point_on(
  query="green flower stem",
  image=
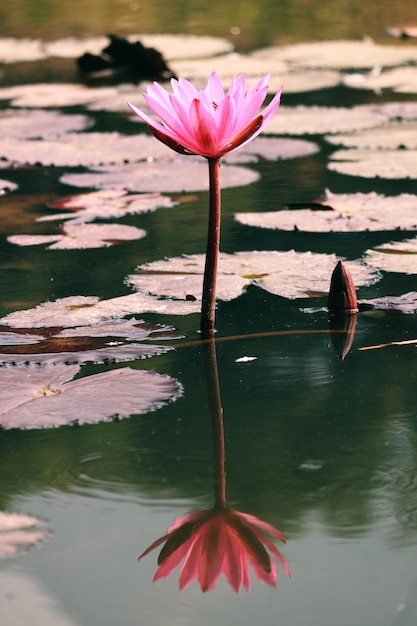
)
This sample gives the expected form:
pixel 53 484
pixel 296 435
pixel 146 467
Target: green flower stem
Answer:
pixel 216 417
pixel 208 305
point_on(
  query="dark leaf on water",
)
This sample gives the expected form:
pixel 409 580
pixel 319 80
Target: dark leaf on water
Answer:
pixel 127 58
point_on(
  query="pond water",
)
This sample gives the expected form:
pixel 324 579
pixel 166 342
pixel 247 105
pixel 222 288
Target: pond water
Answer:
pixel 321 447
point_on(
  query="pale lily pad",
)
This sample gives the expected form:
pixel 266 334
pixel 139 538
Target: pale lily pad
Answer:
pixel 349 213
pixel 170 176
pixel 340 54
pixel 387 137
pixel 406 303
pixel 13 50
pixel 114 352
pixel 228 66
pixel 171 46
pixel 374 163
pixel 286 274
pixel 53 95
pixel 88 149
pixel 88 310
pixel 301 120
pixel 398 256
pixel 301 81
pixel 398 79
pixel 6 186
pixel 82 236
pixel 24 124
pixel 19 532
pixel 8 338
pixel 273 149
pixel 98 343
pixel 106 204
pixel 46 396
pixel 132 329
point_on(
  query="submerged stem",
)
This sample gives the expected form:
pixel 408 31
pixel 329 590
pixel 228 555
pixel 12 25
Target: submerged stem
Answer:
pixel 216 416
pixel 208 304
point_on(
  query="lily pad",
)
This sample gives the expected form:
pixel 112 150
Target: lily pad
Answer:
pixel 6 186
pixel 105 204
pixel 342 213
pixel 89 310
pixel 229 65
pixel 46 396
pixel 168 176
pixel 105 341
pixel 13 50
pixel 82 236
pixel 24 124
pixel 87 149
pixel 286 274
pixel 301 120
pixel 398 256
pixel 171 46
pixel 273 149
pixel 391 136
pixel 340 54
pixel 53 95
pixel 398 79
pixel 374 163
pixel 406 303
pixel 19 532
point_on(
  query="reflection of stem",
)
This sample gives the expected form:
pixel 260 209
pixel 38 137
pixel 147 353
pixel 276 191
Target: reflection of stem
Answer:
pixel 208 305
pixel 216 414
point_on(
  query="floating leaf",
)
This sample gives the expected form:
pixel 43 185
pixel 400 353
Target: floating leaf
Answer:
pixel 176 175
pixel 6 187
pixel 286 274
pixel 402 32
pixel 398 256
pixel 399 80
pixel 8 338
pixel 24 124
pixel 171 46
pixel 132 329
pixel 105 204
pixel 14 50
pixel 406 303
pixel 46 396
pixel 374 163
pixel 301 120
pixel 53 95
pixel 88 310
pixel 114 352
pixel 86 149
pixel 340 54
pixel 388 137
pixel 82 236
pixel 273 149
pixel 351 213
pixel 126 58
pixel 19 532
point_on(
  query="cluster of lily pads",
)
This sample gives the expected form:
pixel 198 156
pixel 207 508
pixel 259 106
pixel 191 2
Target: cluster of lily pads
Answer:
pixel 131 178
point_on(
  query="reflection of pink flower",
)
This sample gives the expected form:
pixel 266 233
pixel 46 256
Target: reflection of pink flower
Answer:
pixel 215 541
pixel 208 122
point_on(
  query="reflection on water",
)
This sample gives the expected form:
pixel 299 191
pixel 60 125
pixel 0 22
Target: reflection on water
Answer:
pixel 218 540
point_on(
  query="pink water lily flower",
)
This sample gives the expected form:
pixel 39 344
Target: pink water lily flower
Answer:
pixel 208 122
pixel 218 540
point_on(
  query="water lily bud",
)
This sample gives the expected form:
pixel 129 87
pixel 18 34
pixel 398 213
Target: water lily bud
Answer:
pixel 342 294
